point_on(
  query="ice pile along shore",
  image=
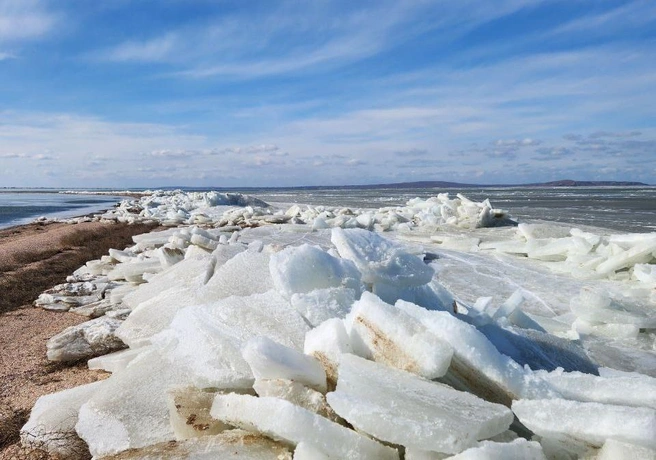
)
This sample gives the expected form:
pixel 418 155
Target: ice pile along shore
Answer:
pixel 283 342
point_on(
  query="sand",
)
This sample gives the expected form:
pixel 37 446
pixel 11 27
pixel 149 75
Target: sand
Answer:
pixel 33 258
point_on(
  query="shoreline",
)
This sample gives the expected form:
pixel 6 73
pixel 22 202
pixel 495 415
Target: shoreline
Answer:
pixel 35 257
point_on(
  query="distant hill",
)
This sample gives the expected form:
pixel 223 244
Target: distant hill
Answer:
pixel 422 184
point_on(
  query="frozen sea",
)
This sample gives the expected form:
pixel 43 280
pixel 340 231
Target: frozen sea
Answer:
pixel 625 209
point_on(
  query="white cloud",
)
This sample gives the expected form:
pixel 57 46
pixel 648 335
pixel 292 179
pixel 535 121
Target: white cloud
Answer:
pixel 24 20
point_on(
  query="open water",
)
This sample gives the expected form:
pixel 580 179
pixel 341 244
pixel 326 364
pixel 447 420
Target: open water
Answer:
pixel 624 209
pixel 19 207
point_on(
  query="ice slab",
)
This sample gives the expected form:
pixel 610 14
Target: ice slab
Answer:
pixel 51 426
pixel 244 274
pixel 114 362
pixel 477 366
pixel 283 420
pixel 155 314
pixel 379 259
pixel 388 335
pixel 588 423
pixel 271 360
pixel 82 341
pixel 298 394
pixel 304 268
pixel 327 342
pixel 322 304
pixel 112 420
pixel 229 444
pixel 207 339
pixel 423 415
pixel 519 449
pixel 191 273
pixel 625 389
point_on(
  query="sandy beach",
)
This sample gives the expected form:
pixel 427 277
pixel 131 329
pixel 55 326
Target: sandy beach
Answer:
pixel 34 258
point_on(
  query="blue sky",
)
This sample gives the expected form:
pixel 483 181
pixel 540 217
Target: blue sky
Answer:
pixel 218 93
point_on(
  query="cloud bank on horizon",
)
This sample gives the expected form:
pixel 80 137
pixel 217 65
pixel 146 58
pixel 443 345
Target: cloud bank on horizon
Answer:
pixel 261 93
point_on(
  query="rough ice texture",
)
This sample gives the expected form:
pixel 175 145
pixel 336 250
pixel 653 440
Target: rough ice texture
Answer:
pixel 283 420
pixel 51 426
pixel 228 444
pixel 297 394
pixel 477 366
pixel 322 304
pixel 271 360
pixel 131 411
pixel 388 335
pixel 519 449
pixel 301 269
pixel 587 423
pixel 424 415
pixel 207 339
pixel 379 260
pixel 82 341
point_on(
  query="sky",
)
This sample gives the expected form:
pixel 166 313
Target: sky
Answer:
pixel 215 93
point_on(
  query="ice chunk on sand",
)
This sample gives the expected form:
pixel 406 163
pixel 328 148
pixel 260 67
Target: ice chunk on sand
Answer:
pixel 114 362
pixel 477 366
pixel 113 419
pixel 305 268
pixel 424 415
pixel 519 449
pixel 321 304
pixel 283 420
pixel 207 339
pixel 91 338
pixel 576 423
pixel 51 426
pixel 380 260
pixel 327 342
pixel 391 336
pixel 298 394
pixel 270 360
pixel 228 444
pixel 618 450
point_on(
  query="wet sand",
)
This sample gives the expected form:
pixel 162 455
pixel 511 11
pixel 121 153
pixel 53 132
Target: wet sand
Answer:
pixel 34 258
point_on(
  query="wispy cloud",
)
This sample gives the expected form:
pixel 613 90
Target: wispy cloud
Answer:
pixel 25 19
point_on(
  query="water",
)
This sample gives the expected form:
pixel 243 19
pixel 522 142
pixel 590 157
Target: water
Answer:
pixel 625 209
pixel 19 207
